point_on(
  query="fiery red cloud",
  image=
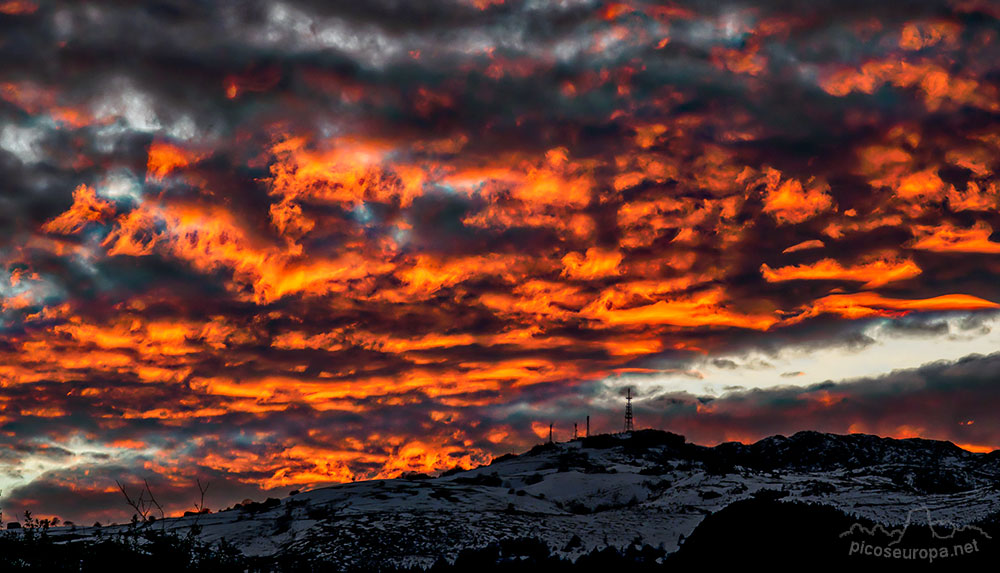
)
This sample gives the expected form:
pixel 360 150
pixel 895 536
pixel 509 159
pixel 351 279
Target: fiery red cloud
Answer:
pixel 300 245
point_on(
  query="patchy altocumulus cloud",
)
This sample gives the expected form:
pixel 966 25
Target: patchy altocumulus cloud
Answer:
pixel 277 244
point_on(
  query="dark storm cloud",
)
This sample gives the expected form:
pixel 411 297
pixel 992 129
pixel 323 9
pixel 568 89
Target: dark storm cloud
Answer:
pixel 945 400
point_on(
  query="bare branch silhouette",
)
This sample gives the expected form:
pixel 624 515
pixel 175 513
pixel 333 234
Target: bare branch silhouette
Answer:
pixel 152 500
pixel 200 505
pixel 139 504
pixel 144 503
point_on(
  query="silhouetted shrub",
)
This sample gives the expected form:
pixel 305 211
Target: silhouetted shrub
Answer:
pixel 258 506
pixel 542 448
pixel 769 494
pixel 645 439
pixel 503 458
pixel 489 480
pixel 601 441
pixel 143 549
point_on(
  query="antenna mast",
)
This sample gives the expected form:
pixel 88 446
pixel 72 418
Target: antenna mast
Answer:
pixel 629 420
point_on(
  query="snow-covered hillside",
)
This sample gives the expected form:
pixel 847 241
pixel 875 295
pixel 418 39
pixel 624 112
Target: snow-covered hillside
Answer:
pixel 607 490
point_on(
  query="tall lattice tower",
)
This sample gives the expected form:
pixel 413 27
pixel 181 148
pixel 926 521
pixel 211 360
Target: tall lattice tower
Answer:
pixel 629 419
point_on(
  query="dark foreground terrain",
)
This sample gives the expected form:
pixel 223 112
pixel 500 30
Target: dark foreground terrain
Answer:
pixel 763 530
pixel 646 501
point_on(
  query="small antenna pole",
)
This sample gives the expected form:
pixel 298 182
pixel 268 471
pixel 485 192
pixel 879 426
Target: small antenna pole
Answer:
pixel 550 432
pixel 574 431
pixel 588 426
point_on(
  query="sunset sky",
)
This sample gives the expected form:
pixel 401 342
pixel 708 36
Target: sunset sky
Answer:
pixel 274 245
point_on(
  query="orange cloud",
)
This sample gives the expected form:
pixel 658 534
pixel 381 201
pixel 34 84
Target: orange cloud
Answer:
pixel 426 275
pixel 874 273
pixel 804 245
pixel 87 208
pixel 948 238
pixel 933 81
pixel 789 202
pixel 921 185
pixel 865 304
pixel 540 429
pixel 165 158
pixel 347 170
pixel 209 239
pixel 12 7
pixel 975 197
pixel 707 308
pixel 920 35
pixel 595 264
pixel 977 448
